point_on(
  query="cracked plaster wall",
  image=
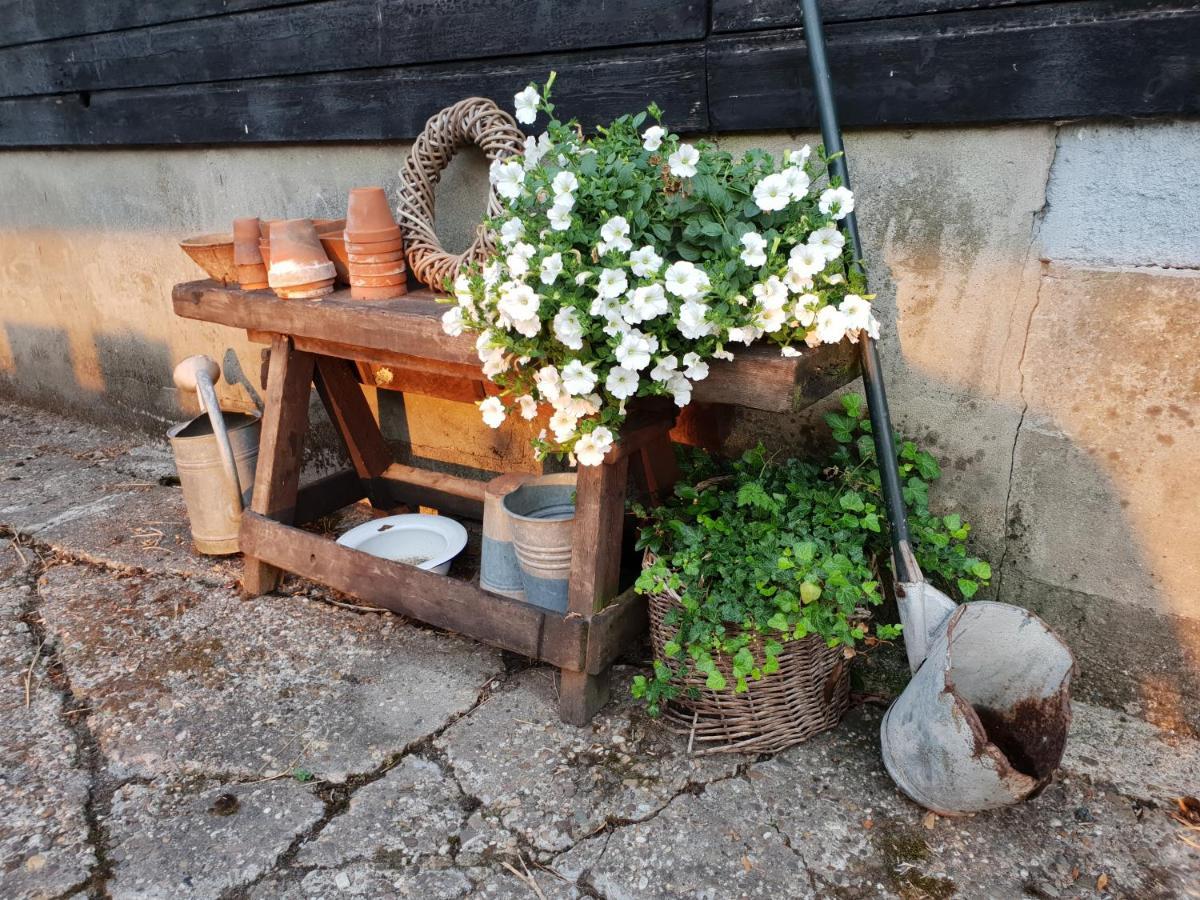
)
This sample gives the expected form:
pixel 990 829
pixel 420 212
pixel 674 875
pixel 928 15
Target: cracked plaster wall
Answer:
pixel 1038 285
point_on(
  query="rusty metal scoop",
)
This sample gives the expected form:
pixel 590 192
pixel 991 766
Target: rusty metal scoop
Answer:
pixel 983 723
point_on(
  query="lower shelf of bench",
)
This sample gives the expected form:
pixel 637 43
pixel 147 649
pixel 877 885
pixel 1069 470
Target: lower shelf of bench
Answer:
pixel 569 641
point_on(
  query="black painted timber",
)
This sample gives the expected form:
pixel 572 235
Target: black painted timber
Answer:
pixel 131 72
pixel 1044 61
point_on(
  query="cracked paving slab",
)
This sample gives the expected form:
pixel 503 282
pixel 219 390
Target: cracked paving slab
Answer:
pixel 44 849
pixel 190 680
pixel 411 815
pixel 824 819
pixel 553 783
pixel 370 879
pixel 172 841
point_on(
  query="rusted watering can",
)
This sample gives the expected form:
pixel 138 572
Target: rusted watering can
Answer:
pixel 215 455
pixel 983 723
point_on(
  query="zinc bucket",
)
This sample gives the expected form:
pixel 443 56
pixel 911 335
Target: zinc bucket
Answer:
pixel 499 571
pixel 541 519
pixel 211 505
pixel 983 723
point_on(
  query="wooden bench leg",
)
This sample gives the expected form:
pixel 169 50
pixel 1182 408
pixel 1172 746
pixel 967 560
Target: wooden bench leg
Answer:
pixel 595 572
pixel 280 455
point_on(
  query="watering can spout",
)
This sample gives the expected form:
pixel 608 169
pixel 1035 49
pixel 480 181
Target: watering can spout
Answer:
pixel 924 610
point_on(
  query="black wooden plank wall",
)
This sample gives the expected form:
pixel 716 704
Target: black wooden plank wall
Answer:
pixel 113 72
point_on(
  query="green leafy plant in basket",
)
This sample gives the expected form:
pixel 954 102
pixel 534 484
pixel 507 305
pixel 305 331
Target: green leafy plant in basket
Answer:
pixel 760 552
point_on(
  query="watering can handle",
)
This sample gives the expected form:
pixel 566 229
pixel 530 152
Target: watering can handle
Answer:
pixel 198 373
pixel 877 406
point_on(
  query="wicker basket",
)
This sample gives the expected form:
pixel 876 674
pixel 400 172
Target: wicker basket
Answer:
pixel 808 695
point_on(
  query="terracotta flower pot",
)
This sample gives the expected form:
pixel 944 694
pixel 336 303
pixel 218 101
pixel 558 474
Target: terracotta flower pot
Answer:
pixel 395 246
pixel 329 226
pixel 335 248
pixel 311 291
pixel 214 254
pixel 391 267
pixel 252 278
pixel 376 280
pixel 297 257
pixel 264 250
pixel 369 216
pixel 359 258
pixel 245 242
pixel 390 292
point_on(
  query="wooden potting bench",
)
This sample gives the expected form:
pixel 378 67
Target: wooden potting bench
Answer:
pixel 332 343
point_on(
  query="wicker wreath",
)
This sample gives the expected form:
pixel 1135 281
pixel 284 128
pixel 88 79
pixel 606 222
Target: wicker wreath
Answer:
pixel 472 121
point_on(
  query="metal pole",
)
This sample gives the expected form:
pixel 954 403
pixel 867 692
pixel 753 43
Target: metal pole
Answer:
pixel 881 420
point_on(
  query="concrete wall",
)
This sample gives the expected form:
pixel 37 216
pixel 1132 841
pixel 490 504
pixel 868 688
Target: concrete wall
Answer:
pixel 1040 285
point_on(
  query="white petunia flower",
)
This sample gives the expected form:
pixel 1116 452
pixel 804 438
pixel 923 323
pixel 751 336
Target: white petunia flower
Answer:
pixel 645 262
pixel 722 353
pixel 683 279
pixel 840 198
pixel 806 261
pixel 452 321
pixel 528 327
pixel 747 334
pixel 692 323
pixel 754 249
pixel 666 369
pixel 805 310
pixel 682 163
pixel 797 181
pixel 771 294
pixel 772 193
pixel 645 303
pixel 797 157
pixel 633 351
pixel 564 183
pixel 493 412
pixel 694 367
pixel 567 329
pixel 796 282
pixel 518 301
pixel 771 319
pixel 508 179
pixel 857 311
pixel 512 231
pixel 560 217
pixel 592 447
pixel 551 267
pixel 788 351
pixel 652 137
pixel 612 283
pixel 535 149
pixel 518 258
pixel 526 103
pixel 681 390
pixel 563 423
pixel 831 324
pixel 548 382
pixel 528 406
pixel 835 278
pixel 582 277
pixel 578 378
pixel 829 241
pixel 614 235
pixel 621 382
pixel 483 344
pixel 491 274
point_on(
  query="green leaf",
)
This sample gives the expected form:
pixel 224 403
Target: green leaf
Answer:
pixel 778 621
pixel 715 681
pixel 981 570
pixel 952 522
pixel 968 587
pixel 809 592
pixel 638 688
pixel 671 649
pixel 870 521
pixel 852 502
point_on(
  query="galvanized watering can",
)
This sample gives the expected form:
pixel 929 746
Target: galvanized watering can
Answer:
pixel 983 723
pixel 215 457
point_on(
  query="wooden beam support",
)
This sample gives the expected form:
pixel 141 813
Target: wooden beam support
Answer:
pixel 337 383
pixel 438 600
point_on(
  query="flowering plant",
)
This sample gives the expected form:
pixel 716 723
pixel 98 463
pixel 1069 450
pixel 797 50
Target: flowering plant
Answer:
pixel 630 259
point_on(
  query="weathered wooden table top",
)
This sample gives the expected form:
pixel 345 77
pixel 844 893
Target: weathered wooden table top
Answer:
pixel 409 328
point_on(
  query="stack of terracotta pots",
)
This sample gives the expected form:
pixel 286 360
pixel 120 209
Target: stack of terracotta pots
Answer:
pixel 299 268
pixel 374 248
pixel 247 256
